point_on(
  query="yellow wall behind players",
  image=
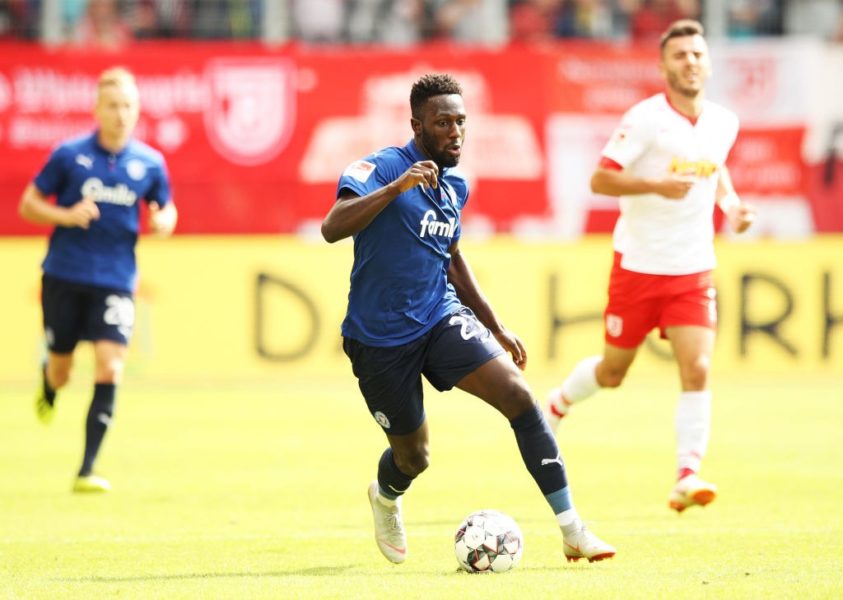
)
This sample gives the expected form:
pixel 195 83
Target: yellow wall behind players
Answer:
pixel 218 307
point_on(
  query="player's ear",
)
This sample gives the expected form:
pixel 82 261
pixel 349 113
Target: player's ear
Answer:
pixel 416 125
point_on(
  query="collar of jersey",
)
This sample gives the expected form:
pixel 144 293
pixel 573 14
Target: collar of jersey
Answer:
pixel 692 120
pixel 95 140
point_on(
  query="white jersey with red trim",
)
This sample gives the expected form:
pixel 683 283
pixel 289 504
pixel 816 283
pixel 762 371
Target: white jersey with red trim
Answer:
pixel 656 234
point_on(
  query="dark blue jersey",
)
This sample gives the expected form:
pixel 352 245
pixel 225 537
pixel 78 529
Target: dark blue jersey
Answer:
pixel 399 280
pixel 104 254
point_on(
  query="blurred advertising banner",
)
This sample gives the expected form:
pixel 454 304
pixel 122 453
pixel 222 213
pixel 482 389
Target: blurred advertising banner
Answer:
pixel 256 138
pixel 228 307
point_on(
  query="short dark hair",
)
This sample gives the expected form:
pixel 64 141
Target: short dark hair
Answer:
pixel 432 84
pixel 681 28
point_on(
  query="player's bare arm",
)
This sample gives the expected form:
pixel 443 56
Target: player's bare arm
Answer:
pixel 468 291
pixel 36 208
pixel 162 221
pixel 611 182
pixel 352 213
pixel 739 214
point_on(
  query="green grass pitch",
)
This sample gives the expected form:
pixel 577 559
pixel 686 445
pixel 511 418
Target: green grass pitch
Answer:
pixel 258 490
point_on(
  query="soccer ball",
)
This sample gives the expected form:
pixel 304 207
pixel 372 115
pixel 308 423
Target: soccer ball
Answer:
pixel 488 540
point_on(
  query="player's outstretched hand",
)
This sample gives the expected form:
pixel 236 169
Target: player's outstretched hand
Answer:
pixel 741 216
pixel 512 344
pixel 82 213
pixel 424 172
pixel 676 187
pixel 161 220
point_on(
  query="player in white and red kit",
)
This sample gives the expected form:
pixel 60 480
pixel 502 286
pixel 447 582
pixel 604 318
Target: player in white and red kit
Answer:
pixel 666 163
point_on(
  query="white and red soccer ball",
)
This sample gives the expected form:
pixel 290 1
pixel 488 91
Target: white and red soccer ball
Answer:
pixel 488 541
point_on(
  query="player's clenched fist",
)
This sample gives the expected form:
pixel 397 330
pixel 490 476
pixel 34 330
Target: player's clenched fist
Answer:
pixel 424 172
pixel 741 217
pixel 161 220
pixel 676 187
pixel 82 213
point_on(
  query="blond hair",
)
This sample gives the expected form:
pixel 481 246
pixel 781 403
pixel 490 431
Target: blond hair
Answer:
pixel 116 76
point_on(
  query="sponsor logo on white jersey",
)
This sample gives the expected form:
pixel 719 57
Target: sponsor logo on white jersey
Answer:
pixel 430 226
pixel 97 191
pixel 360 170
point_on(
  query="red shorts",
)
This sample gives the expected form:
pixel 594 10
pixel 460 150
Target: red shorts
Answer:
pixel 639 302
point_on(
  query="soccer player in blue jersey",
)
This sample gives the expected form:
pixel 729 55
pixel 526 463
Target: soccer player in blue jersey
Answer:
pixel 415 309
pixel 90 272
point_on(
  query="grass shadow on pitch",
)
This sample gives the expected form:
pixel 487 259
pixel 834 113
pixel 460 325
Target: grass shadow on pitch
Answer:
pixel 310 572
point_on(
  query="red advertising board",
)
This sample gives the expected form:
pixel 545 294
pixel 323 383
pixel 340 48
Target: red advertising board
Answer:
pixel 255 138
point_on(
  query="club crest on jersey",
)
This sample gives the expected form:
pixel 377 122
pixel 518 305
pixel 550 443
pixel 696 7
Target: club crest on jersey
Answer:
pixel 136 169
pixel 430 226
pixel 614 325
pixel 97 191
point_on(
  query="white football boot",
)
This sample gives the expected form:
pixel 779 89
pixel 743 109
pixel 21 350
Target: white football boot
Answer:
pixel 556 407
pixel 691 491
pixel 584 544
pixel 389 529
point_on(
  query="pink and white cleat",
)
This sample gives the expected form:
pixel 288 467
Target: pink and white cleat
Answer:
pixel 584 544
pixel 691 491
pixel 389 529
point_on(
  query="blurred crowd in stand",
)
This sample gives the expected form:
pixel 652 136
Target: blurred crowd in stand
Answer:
pixel 111 23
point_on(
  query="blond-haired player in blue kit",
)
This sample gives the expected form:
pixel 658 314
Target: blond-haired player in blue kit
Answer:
pixel 89 272
pixel 415 309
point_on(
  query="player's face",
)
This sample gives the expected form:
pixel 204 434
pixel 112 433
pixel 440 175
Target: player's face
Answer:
pixel 117 110
pixel 685 64
pixel 441 130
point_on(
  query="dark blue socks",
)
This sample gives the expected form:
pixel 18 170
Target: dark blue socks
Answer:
pixel 99 418
pixel 392 482
pixel 49 392
pixel 541 456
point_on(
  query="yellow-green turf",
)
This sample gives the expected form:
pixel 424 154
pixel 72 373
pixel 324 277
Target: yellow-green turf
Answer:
pixel 258 490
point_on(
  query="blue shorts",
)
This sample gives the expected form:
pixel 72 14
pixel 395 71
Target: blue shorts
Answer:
pixel 390 378
pixel 74 311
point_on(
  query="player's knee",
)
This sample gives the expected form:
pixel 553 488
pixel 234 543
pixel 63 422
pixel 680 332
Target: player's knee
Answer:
pixel 521 395
pixel 611 377
pixel 695 373
pixel 58 378
pixel 58 373
pixel 515 398
pixel 413 463
pixel 110 370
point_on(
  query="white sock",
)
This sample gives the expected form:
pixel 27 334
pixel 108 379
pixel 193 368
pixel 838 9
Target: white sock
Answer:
pixel 388 502
pixel 569 521
pixel 693 423
pixel 582 382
